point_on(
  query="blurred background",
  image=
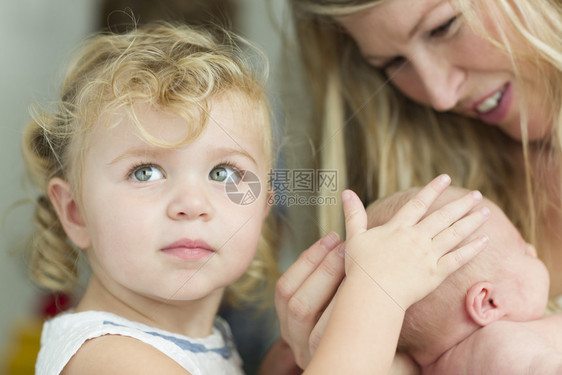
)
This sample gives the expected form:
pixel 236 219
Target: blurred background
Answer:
pixel 36 36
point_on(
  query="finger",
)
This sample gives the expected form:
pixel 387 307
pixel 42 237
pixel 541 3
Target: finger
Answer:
pixel 417 207
pixel 462 229
pixel 354 212
pixel 447 215
pixel 293 278
pixel 320 327
pixel 307 304
pixel 319 288
pixel 454 260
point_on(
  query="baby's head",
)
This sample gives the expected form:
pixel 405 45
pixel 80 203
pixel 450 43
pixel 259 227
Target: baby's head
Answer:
pixel 115 80
pixel 506 281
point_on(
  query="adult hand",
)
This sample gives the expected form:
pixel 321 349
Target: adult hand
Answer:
pixel 304 291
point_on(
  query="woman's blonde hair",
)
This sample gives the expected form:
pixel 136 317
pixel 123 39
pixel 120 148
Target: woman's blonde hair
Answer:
pixel 173 67
pixel 382 142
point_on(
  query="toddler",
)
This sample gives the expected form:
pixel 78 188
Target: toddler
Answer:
pixel 157 135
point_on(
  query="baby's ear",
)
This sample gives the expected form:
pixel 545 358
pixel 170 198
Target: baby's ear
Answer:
pixel 483 303
pixel 67 209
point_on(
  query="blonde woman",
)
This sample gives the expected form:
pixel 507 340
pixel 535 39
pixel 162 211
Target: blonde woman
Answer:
pixel 403 90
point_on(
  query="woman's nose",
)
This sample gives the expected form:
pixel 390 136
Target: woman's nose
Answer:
pixel 190 201
pixel 441 79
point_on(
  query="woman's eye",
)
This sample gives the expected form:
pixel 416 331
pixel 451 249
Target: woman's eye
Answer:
pixel 223 172
pixel 444 28
pixel 147 173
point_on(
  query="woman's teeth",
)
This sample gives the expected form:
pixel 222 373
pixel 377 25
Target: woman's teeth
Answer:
pixel 490 103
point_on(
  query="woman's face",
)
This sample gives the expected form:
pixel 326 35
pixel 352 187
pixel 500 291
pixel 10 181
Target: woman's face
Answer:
pixel 434 58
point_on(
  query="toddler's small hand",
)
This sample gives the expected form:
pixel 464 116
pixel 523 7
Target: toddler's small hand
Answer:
pixel 410 255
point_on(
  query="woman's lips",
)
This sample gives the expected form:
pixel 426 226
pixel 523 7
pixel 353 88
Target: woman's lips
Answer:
pixel 191 250
pixel 493 108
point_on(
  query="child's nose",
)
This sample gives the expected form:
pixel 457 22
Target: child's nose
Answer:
pixel 190 201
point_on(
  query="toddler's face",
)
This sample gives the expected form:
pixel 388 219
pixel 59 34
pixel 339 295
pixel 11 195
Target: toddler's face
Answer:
pixel 160 220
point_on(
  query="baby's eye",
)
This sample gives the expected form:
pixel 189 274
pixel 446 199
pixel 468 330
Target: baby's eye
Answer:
pixel 147 173
pixel 221 173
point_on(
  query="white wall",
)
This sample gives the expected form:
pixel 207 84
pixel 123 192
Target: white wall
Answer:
pixel 35 38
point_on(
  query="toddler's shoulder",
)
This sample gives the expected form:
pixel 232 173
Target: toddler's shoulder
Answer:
pixel 115 354
pixel 68 340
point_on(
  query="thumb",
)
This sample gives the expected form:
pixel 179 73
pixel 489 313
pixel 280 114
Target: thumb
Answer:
pixel 354 212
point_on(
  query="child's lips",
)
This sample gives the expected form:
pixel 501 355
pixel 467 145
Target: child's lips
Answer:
pixel 187 249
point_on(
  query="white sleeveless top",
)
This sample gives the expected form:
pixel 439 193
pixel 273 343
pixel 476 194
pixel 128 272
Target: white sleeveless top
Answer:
pixel 63 335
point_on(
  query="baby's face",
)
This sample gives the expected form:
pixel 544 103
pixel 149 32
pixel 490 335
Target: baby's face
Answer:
pixel 524 275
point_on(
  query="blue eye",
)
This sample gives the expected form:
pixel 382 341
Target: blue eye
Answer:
pixel 222 173
pixel 147 173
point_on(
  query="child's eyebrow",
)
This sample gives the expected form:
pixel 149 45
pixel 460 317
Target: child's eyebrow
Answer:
pixel 148 152
pixel 136 152
pixel 228 151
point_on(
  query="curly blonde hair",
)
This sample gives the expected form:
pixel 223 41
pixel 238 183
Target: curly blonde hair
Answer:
pixel 175 67
pixel 382 142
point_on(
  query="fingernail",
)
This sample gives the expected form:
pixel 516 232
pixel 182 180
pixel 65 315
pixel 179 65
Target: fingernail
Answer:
pixel 330 240
pixel 341 250
pixel 345 195
pixel 444 179
pixel 484 240
pixel 476 195
pixel 485 211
